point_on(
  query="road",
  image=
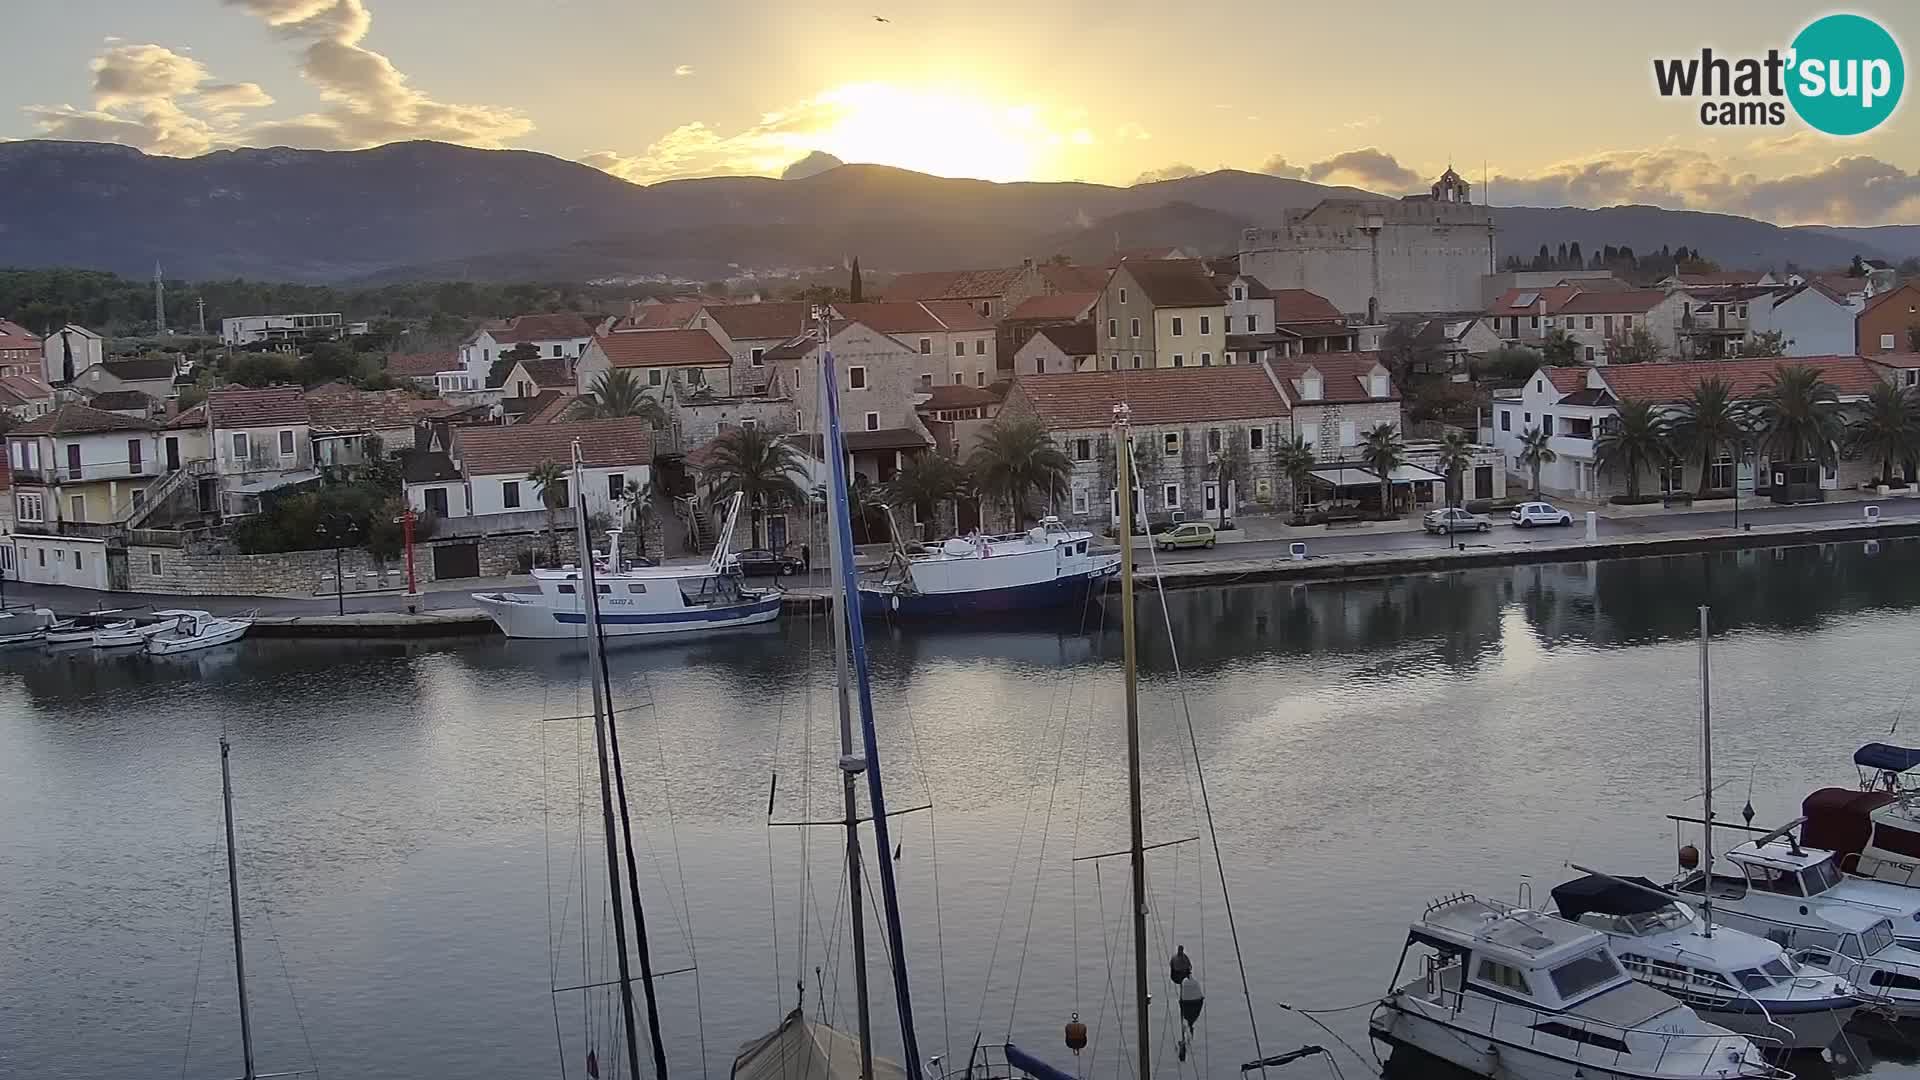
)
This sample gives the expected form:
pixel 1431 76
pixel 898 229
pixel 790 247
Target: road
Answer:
pixel 457 594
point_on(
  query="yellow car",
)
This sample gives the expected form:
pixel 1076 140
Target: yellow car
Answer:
pixel 1191 534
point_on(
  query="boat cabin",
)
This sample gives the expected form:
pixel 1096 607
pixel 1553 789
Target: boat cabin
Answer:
pixel 1519 956
pixel 1876 828
pixel 1668 950
pixel 1778 867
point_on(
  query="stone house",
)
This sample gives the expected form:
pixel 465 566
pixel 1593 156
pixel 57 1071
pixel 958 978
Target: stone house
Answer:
pixel 1184 421
pixel 1578 405
pixel 749 331
pixel 689 359
pixel 1599 321
pixel 1297 321
pixel 1059 348
pixel 528 378
pixel 991 294
pixel 1884 324
pixel 882 379
pixel 956 416
pixel 1050 309
pixel 1161 313
pixel 1335 399
pixel 696 418
pixel 957 345
pixel 260 440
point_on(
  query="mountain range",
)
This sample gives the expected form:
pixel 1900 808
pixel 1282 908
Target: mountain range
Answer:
pixel 424 210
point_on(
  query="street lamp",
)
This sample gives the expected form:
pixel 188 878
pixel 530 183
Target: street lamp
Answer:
pixel 339 529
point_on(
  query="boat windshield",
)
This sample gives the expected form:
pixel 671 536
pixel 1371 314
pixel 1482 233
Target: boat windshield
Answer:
pixel 1780 968
pixel 1877 937
pixel 1670 917
pixel 1584 973
pixel 1820 877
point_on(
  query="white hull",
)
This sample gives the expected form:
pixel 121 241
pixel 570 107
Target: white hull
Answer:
pixel 527 615
pixel 132 637
pixel 177 641
pixel 1483 1056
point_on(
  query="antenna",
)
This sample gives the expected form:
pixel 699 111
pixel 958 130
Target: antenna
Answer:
pixel 159 301
pixel 201 303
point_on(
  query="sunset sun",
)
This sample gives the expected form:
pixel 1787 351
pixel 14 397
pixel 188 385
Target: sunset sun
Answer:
pixel 933 130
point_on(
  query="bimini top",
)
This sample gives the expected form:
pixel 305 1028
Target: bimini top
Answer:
pixel 1886 757
pixel 1609 896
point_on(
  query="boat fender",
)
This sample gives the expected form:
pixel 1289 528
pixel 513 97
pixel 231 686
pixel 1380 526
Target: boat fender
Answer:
pixel 1076 1034
pixel 1180 967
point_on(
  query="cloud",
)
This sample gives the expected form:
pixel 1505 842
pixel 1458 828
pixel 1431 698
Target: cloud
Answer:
pixel 1852 190
pixel 160 127
pixel 1370 168
pixel 1362 123
pixel 1132 132
pixel 1277 166
pixel 142 74
pixel 683 71
pixel 1168 172
pixel 813 164
pixel 225 97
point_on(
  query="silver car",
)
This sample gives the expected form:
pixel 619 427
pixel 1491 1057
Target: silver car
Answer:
pixel 1452 519
pixel 1527 515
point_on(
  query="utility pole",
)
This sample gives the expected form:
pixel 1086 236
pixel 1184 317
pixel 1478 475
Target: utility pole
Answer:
pixel 201 303
pixel 159 301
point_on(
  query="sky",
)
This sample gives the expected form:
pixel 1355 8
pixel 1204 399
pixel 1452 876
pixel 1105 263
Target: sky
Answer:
pixel 1548 106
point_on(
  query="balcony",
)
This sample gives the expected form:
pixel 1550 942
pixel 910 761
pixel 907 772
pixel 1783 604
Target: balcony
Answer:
pixel 262 460
pixel 86 473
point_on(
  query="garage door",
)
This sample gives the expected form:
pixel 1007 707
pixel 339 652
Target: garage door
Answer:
pixel 456 561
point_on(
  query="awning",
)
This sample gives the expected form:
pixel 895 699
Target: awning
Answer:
pixel 1353 476
pixel 1608 896
pixel 1886 757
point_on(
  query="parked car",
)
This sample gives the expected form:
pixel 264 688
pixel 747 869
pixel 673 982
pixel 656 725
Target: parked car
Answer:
pixel 1527 515
pixel 1452 519
pixel 1190 534
pixel 759 562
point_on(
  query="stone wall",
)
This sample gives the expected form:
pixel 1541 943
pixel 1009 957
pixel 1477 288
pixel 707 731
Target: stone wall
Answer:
pixel 200 573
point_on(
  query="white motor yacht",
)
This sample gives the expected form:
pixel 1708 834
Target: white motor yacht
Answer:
pixel 123 636
pixel 1511 993
pixel 1048 566
pixel 197 630
pixel 1741 981
pixel 1776 880
pixel 1875 828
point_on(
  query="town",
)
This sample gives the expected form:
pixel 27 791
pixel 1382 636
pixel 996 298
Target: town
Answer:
pixel 1371 360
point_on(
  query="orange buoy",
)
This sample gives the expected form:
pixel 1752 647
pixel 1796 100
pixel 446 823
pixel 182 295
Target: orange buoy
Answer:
pixel 1689 857
pixel 1076 1034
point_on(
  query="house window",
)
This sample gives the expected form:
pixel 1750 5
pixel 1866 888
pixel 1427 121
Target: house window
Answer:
pixel 76 560
pixel 959 348
pixel 1626 322
pixel 748 423
pixel 959 378
pixel 240 446
pixel 1721 475
pixel 1136 359
pixel 1123 295
pixel 1589 354
pixel 1080 501
pixel 1113 328
pixel 873 421
pixel 1253 324
pixel 1176 326
pixel 616 483
pixel 286 444
pixel 29 508
pixel 1083 449
pixel 42 553
pixel 510 494
pixel 1206 324
pixel 926 346
pixel 1913 377
pixel 1506 420
pixel 1743 311
pixel 1179 361
pixel 1170 496
pixel 78 503
pixel 153 562
pixel 1256 438
pixel 653 376
pixel 1349 433
pixel 979 378
pixel 133 456
pixel 1239 292
pixel 926 380
pixel 1172 439
pixel 1886 341
pixel 1206 359
pixel 757 357
pixel 1039 365
pixel 1135 327
pixel 1533 322
pixel 857 378
pixel 1672 478
pixel 979 346
pixel 1589 322
pixel 1213 439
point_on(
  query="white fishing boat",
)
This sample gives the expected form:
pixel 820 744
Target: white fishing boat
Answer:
pixel 122 636
pixel 24 628
pixel 1506 992
pixel 198 630
pixel 1047 566
pixel 1741 981
pixel 636 600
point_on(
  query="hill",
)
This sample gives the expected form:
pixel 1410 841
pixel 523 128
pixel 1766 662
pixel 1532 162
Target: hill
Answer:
pixel 423 210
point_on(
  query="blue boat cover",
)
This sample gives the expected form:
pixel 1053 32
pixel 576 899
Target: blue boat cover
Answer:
pixel 1033 1066
pixel 1886 756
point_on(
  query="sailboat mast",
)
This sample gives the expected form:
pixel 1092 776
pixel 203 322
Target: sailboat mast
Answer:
pixel 1123 473
pixel 233 898
pixel 837 508
pixel 590 605
pixel 1706 772
pixel 847 601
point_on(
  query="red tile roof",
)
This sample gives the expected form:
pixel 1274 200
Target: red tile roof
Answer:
pixel 755 322
pixel 553 326
pixel 1074 339
pixel 1072 279
pixel 1302 305
pixel 1630 302
pixel 1909 290
pixel 521 448
pixel 662 348
pixel 1723 277
pixel 955 284
pixel 71 419
pixel 672 315
pixel 239 407
pixel 1852 376
pixel 1070 307
pixel 885 439
pixel 549 371
pixel 959 315
pixel 890 317
pixel 959 397
pixel 1173 282
pixel 14 336
pixel 1156 395
pixel 1898 360
pixel 1343 376
pixel 1566 379
pixel 26 387
pixel 336 407
pixel 421 365
pixel 1554 295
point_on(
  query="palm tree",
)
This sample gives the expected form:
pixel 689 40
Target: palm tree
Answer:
pixel 1456 455
pixel 617 393
pixel 1014 458
pixel 1889 430
pixel 1798 413
pixel 1536 449
pixel 549 481
pixel 924 482
pixel 1294 458
pixel 1639 438
pixel 1709 419
pixel 1383 452
pixel 758 465
pixel 1229 468
pixel 638 500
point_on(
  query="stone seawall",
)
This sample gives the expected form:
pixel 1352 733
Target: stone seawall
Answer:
pixel 177 571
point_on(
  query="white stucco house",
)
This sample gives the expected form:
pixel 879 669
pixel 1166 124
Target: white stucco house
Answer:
pixel 490 466
pixel 68 351
pixel 1813 318
pixel 554 335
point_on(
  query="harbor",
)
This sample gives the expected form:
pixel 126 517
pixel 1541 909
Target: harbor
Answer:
pixel 411 793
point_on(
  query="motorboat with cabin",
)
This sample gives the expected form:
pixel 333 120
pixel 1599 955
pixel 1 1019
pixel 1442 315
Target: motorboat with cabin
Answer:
pixel 194 630
pixel 1741 981
pixel 134 636
pixel 1875 827
pixel 1781 881
pixel 1507 992
pixel 24 627
pixel 1047 566
pixel 636 600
